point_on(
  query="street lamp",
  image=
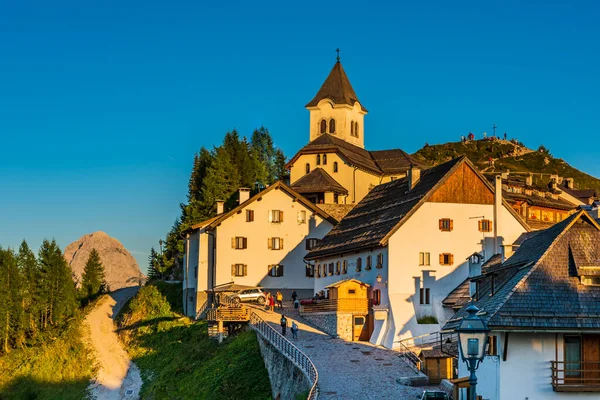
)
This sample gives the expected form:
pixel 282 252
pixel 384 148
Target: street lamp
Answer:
pixel 472 338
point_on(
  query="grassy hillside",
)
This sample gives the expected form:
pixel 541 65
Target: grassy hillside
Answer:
pixel 179 361
pixel 507 156
pixel 60 369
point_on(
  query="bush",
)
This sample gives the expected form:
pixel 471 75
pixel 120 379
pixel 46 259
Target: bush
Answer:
pixel 173 292
pixel 428 319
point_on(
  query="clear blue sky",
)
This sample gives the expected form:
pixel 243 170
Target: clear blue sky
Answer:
pixel 103 103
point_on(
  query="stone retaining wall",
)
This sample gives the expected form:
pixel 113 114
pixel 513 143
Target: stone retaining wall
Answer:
pixel 287 380
pixel 336 324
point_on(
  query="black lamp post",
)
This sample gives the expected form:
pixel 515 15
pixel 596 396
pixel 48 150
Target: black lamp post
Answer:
pixel 472 338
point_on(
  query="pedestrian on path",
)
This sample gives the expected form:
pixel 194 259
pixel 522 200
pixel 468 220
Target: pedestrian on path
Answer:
pixel 294 330
pixel 283 323
pixel 279 299
pixel 294 295
pixel 272 303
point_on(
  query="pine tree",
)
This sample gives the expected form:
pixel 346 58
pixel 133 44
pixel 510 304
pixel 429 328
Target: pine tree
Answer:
pixel 153 272
pixel 221 181
pixel 92 280
pixel 30 275
pixel 58 297
pixel 11 302
pixel 281 172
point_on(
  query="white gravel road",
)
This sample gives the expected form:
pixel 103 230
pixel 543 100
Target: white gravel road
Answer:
pixel 118 378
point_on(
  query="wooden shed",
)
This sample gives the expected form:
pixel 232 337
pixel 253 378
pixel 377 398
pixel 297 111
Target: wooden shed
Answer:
pixel 437 365
pixel 348 289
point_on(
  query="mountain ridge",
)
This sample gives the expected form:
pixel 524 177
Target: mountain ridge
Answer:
pixel 497 156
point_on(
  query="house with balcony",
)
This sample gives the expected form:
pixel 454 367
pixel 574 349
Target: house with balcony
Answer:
pixel 259 243
pixel 543 308
pixel 410 240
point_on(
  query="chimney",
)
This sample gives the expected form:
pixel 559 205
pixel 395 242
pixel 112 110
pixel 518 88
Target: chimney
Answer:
pixel 529 180
pixel 570 183
pixel 220 207
pixel 497 208
pixel 414 175
pixel 244 194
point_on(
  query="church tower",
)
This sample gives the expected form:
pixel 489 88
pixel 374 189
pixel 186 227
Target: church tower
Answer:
pixel 336 110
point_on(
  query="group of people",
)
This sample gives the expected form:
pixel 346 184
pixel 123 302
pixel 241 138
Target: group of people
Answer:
pixel 277 299
pixel 284 323
pixel 271 300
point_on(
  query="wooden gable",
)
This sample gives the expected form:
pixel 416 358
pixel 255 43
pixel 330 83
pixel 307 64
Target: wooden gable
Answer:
pixel 464 186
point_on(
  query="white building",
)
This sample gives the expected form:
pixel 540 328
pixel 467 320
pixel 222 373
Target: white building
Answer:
pixel 415 234
pixel 543 311
pixel 262 242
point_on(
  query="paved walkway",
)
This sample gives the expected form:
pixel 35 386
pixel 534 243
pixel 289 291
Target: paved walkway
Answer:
pixel 347 370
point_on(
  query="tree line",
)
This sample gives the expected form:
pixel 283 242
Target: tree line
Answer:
pixel 38 294
pixel 217 175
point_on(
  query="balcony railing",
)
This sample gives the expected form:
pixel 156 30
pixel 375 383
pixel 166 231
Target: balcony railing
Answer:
pixel 231 314
pixel 337 305
pixel 576 376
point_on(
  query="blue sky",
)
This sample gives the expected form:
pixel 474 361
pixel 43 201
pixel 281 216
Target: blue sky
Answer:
pixel 103 103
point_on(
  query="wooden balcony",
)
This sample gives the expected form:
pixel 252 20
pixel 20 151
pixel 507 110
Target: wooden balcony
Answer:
pixel 576 376
pixel 360 306
pixel 231 314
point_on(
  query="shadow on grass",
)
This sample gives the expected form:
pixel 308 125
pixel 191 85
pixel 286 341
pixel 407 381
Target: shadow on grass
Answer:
pixel 27 388
pixel 184 363
pixel 140 324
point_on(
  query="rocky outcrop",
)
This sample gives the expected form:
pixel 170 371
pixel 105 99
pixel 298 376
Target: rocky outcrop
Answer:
pixel 121 269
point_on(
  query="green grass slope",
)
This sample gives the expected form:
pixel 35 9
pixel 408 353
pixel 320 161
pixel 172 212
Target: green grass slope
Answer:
pixel 507 156
pixel 179 361
pixel 59 369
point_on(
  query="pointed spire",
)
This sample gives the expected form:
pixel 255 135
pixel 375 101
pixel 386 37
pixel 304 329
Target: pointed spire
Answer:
pixel 336 87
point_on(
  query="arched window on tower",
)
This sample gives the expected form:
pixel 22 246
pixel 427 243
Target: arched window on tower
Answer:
pixel 335 166
pixel 324 159
pixel 323 126
pixel 356 129
pixel 307 168
pixel 318 159
pixel 352 128
pixel 332 125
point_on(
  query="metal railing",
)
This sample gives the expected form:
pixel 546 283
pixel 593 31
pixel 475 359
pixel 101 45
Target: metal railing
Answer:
pixel 576 376
pixel 202 311
pixel 289 350
pixel 409 357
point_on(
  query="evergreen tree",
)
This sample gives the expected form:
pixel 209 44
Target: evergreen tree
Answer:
pixel 58 297
pixel 11 302
pixel 221 181
pixel 153 271
pixel 30 275
pixel 281 173
pixel 92 280
pixel 264 152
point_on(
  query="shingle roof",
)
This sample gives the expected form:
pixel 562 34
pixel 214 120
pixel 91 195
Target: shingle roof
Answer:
pixel 581 194
pixel 534 200
pixel 381 162
pixel 318 180
pixel 336 88
pixel 379 212
pixel 460 296
pixel 538 288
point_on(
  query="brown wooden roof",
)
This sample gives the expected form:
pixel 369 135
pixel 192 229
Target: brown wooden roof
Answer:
pixel 382 162
pixel 381 212
pixel 318 180
pixel 336 88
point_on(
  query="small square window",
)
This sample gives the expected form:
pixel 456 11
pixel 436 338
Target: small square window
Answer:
pixel 446 225
pixel 424 259
pixel 446 259
pixel 311 243
pixel 485 225
pixel 310 271
pixel 275 243
pixel 249 215
pixel 239 243
pixel 276 270
pixel 239 270
pixel 276 216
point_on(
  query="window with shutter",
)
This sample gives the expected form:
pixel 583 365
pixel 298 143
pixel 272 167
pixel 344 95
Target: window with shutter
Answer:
pixel 424 258
pixel 249 215
pixel 485 225
pixel 446 225
pixel 239 243
pixel 276 216
pixel 239 270
pixel 446 259
pixel 311 243
pixel 310 271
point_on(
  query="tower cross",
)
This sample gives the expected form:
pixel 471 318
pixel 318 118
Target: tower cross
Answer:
pixel 494 129
pixel 338 53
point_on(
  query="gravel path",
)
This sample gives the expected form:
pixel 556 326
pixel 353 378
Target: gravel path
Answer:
pixel 118 378
pixel 348 370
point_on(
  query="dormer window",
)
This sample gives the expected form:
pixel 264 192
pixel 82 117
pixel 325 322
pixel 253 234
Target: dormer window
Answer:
pixel 323 126
pixel 332 125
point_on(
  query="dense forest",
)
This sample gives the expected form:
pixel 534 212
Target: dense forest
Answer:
pixel 217 175
pixel 38 295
